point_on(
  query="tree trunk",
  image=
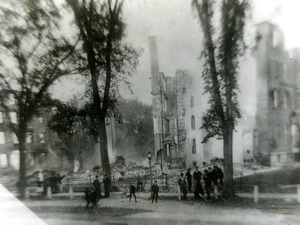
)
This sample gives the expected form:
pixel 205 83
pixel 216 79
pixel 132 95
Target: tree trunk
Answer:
pixel 22 174
pixel 228 165
pixel 103 148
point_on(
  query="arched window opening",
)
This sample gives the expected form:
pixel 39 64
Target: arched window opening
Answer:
pixel 193 122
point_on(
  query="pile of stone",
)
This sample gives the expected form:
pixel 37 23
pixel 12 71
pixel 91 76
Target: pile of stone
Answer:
pixel 128 172
pixel 128 169
pixel 240 170
pixel 9 178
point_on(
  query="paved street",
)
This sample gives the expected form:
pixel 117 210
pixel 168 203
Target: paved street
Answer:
pixel 120 211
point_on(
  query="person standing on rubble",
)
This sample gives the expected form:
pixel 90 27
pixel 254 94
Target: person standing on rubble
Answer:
pixel 106 182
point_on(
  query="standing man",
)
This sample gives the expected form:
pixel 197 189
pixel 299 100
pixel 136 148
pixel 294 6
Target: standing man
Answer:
pixel 214 175
pixel 207 181
pixel 182 185
pixel 220 174
pixel 154 190
pixel 189 179
pixel 197 182
pixel 132 192
pixel 97 185
pixel 106 182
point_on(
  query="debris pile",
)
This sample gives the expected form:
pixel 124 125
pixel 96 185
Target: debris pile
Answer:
pixel 128 170
pixel 9 178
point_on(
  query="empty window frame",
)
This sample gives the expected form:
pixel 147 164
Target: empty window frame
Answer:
pixel 194 164
pixel 275 96
pixel 166 104
pixel 192 101
pixel 2 137
pixel 167 126
pixel 193 122
pixel 15 138
pixel 42 137
pixel 41 119
pixel 194 146
pixel 1 117
pixel 11 99
pixel 168 149
pixel 13 117
pixel 286 99
pixel 29 137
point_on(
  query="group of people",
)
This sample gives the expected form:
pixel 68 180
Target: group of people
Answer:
pixel 53 180
pixel 154 192
pixel 107 185
pixel 210 176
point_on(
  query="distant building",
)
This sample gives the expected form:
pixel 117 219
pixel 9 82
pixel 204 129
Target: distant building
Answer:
pixel 271 136
pixel 45 149
pixel 176 117
pixel 276 138
pixel 39 150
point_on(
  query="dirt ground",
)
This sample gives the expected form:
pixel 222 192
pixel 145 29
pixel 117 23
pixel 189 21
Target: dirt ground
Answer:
pixel 167 211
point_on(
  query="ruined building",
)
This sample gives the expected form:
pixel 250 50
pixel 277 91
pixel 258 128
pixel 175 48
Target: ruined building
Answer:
pixel 176 117
pixel 276 138
pixel 270 136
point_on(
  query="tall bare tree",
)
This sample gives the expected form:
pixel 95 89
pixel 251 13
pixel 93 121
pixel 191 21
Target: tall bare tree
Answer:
pixel 33 57
pixel 108 60
pixel 221 71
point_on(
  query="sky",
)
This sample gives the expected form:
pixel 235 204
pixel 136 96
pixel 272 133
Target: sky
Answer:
pixel 178 34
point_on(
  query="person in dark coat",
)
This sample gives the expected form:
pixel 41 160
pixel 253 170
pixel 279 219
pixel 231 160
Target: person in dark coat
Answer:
pixel 214 175
pixel 59 182
pixel 154 190
pixel 189 179
pixel 106 182
pixel 220 174
pixel 207 181
pixel 132 192
pixel 183 186
pixel 97 185
pixel 197 182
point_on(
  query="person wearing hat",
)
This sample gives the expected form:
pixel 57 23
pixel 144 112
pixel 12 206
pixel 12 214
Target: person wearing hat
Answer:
pixel 154 190
pixel 189 179
pixel 182 186
pixel 207 180
pixel 97 185
pixel 197 183
pixel 132 192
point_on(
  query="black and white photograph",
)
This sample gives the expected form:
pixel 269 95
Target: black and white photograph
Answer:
pixel 149 112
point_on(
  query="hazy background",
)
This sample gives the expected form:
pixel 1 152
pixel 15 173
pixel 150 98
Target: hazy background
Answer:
pixel 176 27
